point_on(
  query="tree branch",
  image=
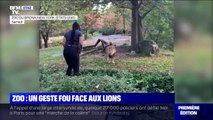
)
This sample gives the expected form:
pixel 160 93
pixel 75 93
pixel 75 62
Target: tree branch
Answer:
pixel 42 34
pixel 147 12
pixel 122 5
pixel 140 3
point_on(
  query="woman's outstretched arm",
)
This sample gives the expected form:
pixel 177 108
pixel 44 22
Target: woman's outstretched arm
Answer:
pixel 64 41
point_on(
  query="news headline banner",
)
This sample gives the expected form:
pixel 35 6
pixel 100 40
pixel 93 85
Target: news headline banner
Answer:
pixel 88 98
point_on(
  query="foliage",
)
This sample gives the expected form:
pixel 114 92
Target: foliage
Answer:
pixel 132 74
pixel 104 80
pixel 49 7
pixel 112 17
pixel 115 20
pixel 162 63
pixel 57 43
pixel 107 31
pixel 158 26
pixel 144 27
pixel 90 21
pixel 94 34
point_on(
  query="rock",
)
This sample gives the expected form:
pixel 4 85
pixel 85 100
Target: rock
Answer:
pixel 57 55
pixel 132 53
pixel 148 47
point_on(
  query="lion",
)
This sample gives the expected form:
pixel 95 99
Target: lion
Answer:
pixel 110 52
pixel 109 49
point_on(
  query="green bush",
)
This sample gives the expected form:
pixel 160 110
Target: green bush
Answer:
pixel 103 31
pixel 94 34
pixel 91 34
pixel 56 43
pixel 53 79
pixel 107 31
pixel 119 32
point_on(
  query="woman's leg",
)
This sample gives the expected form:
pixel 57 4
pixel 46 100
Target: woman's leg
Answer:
pixel 76 65
pixel 69 70
pixel 68 59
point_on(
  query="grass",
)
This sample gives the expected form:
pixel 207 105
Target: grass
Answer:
pixel 163 62
pixel 46 55
pixel 128 74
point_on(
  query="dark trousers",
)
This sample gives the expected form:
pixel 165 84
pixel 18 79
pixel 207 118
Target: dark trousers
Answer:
pixel 72 58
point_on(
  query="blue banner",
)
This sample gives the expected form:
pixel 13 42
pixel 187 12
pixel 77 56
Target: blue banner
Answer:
pixel 194 112
pixel 94 98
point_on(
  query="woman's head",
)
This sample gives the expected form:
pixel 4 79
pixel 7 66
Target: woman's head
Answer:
pixel 75 26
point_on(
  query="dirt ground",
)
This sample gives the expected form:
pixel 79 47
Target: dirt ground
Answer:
pixel 115 39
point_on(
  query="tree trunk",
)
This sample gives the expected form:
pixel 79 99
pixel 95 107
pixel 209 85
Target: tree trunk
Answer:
pixel 140 30
pixel 140 33
pixel 134 34
pixel 86 34
pixel 40 42
pixel 114 30
pixel 86 28
pixel 45 38
pixel 124 27
pixel 45 44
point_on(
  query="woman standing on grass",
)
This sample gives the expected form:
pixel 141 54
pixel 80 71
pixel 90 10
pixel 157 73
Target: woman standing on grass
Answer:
pixel 72 42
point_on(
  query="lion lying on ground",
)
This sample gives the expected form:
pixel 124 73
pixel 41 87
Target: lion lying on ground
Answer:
pixel 109 49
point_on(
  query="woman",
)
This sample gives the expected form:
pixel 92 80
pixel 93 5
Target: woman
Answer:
pixel 72 42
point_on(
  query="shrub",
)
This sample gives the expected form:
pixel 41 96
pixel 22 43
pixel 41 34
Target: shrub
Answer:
pixel 107 31
pixel 56 43
pixel 94 34
pixel 53 79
